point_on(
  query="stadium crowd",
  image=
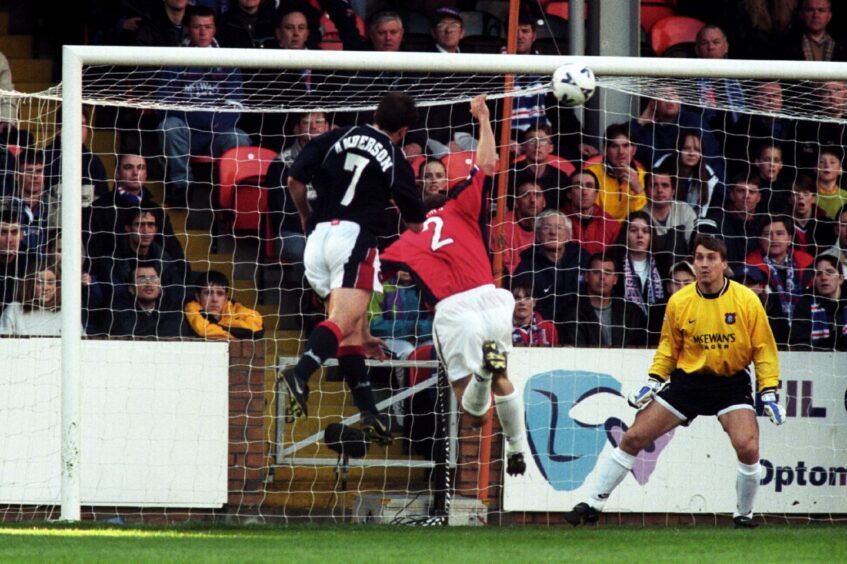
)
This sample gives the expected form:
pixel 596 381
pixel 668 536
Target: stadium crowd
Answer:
pixel 597 233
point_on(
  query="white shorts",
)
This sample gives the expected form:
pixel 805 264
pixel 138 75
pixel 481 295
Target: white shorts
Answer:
pixel 464 321
pixel 338 255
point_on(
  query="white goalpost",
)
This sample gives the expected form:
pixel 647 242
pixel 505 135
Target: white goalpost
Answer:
pixel 635 76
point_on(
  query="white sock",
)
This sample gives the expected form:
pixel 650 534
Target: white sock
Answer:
pixel 612 473
pixel 746 485
pixel 510 412
pixel 477 397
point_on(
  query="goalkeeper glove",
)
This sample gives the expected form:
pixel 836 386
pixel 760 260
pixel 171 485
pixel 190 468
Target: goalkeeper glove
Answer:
pixel 644 395
pixel 772 408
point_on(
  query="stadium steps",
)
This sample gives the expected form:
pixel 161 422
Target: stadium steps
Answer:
pixel 4 23
pixel 31 70
pixel 16 47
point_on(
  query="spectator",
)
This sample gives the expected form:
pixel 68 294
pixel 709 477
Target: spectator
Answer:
pixel 711 43
pixel 35 311
pixel 813 231
pixel 165 27
pixel 839 249
pixel 820 319
pixel 831 196
pixel 829 103
pixel 593 229
pixel 101 220
pixel 448 29
pixel 554 264
pixel 94 182
pixel 39 209
pixel 698 185
pixel 432 178
pixel 813 42
pixel 789 271
pixel 144 315
pixel 604 320
pixel 519 224
pixel 399 317
pixel 673 221
pixel 138 242
pixel 530 329
pixel 213 315
pixel 620 178
pixel 775 191
pixel 744 139
pixel 755 280
pixel 8 104
pixel 187 133
pixel 642 282
pixel 538 164
pixel 681 275
pixel 385 31
pixel 737 224
pixel 292 31
pixel 758 28
pixel 249 24
pixel 660 129
pixel 14 259
pixel 543 108
pixel 283 216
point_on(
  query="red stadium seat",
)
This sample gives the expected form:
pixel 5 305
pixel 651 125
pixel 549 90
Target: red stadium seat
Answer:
pixel 562 10
pixel 241 171
pixel 673 30
pixel 416 163
pixel 653 12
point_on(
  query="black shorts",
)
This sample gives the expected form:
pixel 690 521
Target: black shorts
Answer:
pixel 690 395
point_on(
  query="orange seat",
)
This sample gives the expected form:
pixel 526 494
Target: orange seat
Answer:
pixel 458 165
pixel 241 172
pixel 653 12
pixel 415 163
pixel 673 30
pixel 562 10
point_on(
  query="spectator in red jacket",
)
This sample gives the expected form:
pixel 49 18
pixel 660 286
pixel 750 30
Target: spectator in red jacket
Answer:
pixel 789 270
pixel 593 229
pixel 519 224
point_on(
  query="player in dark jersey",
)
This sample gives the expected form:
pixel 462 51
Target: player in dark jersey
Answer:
pixel 354 172
pixel 472 327
pixel 713 329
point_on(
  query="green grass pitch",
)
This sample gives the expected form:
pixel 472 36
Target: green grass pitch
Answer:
pixel 371 544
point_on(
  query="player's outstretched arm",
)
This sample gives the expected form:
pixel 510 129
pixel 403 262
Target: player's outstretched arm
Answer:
pixel 486 149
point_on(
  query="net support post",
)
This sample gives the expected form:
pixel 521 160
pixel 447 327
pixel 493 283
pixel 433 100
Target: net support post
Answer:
pixel 71 258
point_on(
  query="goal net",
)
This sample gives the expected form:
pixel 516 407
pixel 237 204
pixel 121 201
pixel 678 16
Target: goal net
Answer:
pixel 193 295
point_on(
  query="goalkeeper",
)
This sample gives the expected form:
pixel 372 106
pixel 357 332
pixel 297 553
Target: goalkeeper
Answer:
pixel 713 329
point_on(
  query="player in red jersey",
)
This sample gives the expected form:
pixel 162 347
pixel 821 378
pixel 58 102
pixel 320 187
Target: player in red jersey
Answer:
pixel 472 328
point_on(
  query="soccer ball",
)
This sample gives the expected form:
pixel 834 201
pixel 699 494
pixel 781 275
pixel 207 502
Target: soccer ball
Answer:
pixel 573 84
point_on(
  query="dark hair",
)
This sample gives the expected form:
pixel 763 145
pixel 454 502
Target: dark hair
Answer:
pixel 580 171
pixel 745 178
pixel 26 290
pixel 537 126
pixel 640 214
pixel 211 278
pixel 603 257
pixel 698 179
pixel 147 263
pixel 784 219
pixel 833 150
pixel 662 170
pixel 527 16
pixel 768 145
pixel 522 282
pixel 199 12
pixel 617 130
pixel 804 184
pixel 831 259
pixel 10 212
pixel 128 215
pixel 30 156
pixel 711 243
pixel 427 161
pixel 396 110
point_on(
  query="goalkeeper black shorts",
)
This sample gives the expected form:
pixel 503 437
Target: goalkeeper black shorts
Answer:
pixel 690 395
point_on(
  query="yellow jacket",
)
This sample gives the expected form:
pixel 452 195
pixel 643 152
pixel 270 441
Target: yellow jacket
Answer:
pixel 236 322
pixel 617 200
pixel 717 336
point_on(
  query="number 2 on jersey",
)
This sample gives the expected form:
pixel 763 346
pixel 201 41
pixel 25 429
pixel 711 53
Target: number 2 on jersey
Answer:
pixel 438 224
pixel 355 164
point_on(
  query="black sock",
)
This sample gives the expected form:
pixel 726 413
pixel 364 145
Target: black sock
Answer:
pixel 351 365
pixel 322 345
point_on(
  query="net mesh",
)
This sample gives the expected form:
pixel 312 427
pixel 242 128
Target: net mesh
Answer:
pixel 224 208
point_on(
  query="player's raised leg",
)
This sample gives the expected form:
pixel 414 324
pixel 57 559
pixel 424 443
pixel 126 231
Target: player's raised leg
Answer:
pixel 651 423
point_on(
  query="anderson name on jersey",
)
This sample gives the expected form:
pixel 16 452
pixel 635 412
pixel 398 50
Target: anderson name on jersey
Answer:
pixel 354 172
pixel 717 335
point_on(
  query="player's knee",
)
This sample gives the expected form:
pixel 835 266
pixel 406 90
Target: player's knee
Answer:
pixel 748 450
pixel 634 441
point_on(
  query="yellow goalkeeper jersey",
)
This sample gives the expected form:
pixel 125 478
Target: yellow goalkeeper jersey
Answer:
pixel 717 335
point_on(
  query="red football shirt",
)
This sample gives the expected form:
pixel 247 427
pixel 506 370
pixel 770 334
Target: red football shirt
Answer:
pixel 450 255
